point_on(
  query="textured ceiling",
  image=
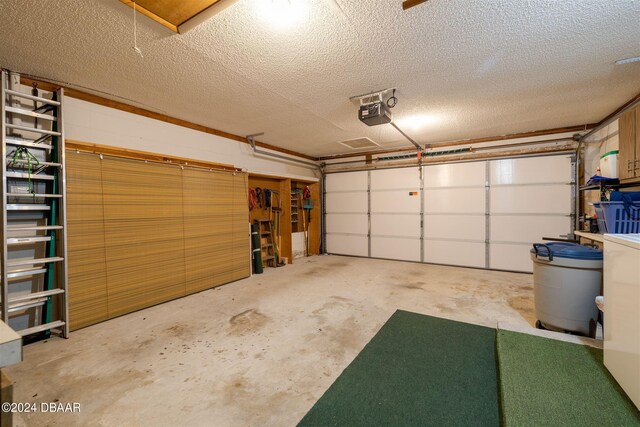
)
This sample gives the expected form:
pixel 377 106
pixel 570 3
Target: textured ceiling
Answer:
pixel 473 68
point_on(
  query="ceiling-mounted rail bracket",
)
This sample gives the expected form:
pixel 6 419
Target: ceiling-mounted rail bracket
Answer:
pixel 252 139
pixel 372 97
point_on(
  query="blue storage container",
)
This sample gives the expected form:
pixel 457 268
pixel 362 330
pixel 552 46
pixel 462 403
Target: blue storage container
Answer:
pixel 602 225
pixel 567 250
pixel 621 196
pixel 620 217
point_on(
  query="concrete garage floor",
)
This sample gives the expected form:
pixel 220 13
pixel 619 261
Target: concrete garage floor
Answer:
pixel 259 351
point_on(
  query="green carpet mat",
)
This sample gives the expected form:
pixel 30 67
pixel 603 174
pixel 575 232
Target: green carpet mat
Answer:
pixel 545 382
pixel 418 370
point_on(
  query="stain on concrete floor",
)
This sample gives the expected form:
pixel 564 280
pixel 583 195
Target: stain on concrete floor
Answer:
pixel 247 322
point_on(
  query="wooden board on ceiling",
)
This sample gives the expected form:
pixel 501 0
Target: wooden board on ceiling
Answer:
pixel 171 13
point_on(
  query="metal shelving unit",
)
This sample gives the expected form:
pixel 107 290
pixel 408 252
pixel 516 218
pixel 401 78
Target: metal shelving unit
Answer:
pixel 33 287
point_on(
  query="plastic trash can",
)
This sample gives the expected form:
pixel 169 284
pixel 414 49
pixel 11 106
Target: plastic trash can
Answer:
pixel 567 278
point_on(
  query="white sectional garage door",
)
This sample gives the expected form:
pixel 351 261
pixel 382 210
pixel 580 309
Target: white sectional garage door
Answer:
pixel 347 213
pixel 395 214
pixel 454 214
pixel 477 214
pixel 530 198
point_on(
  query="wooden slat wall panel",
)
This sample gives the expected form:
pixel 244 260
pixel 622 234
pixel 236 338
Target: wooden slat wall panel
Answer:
pixel 241 231
pixel 208 228
pixel 144 234
pixel 85 239
pixel 223 247
pixel 137 190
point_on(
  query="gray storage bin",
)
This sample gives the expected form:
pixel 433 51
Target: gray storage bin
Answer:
pixel 567 278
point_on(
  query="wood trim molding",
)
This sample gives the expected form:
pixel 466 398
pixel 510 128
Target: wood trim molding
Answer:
pixel 95 99
pixel 87 147
pixel 580 128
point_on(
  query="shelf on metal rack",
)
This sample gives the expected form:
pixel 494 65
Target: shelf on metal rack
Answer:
pixel 29 113
pixel 41 328
pixel 34 195
pixel 27 143
pixel 27 207
pixel 31 97
pixel 30 129
pixel 32 163
pixel 25 175
pixel 27 240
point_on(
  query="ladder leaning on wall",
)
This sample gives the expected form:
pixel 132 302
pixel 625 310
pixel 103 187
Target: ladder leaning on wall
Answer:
pixel 33 297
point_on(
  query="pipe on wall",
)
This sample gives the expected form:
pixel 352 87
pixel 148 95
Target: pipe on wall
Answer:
pixel 256 150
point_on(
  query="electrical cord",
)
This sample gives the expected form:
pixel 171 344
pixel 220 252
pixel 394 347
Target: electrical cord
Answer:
pixel 392 101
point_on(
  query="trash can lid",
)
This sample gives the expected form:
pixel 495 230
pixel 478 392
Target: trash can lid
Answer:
pixel 567 250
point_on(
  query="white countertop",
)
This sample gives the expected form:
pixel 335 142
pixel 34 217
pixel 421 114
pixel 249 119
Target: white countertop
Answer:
pixel 631 240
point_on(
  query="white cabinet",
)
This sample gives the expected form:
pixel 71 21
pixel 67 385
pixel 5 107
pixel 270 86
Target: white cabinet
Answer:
pixel 622 311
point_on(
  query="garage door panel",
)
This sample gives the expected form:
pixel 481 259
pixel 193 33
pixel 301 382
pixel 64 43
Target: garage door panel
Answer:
pixel 468 227
pixel 455 200
pixel 347 223
pixel 554 199
pixel 395 225
pixel 348 181
pixel 394 202
pixel 531 170
pixel 514 257
pixel 467 254
pixel 346 202
pixel 347 245
pixel 527 229
pixel 388 179
pixel 455 174
pixel 395 248
pixel 528 198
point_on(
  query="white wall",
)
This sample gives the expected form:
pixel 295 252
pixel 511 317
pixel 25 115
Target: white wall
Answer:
pixel 298 244
pixel 601 142
pixel 97 124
